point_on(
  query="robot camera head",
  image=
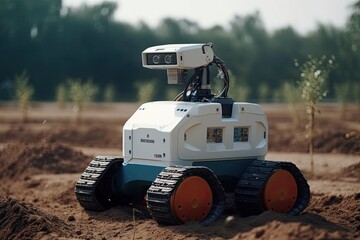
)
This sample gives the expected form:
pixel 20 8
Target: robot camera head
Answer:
pixel 177 56
pixel 177 59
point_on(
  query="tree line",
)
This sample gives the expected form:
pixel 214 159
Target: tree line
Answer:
pixel 54 45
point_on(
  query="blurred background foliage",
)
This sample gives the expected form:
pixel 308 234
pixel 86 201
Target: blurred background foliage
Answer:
pixel 52 43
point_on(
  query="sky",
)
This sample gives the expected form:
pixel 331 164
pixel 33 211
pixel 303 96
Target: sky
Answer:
pixel 302 15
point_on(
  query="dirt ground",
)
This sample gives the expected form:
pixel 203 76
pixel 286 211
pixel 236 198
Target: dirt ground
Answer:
pixel 41 160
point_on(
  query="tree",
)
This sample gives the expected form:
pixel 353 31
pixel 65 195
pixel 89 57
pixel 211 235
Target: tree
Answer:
pixel 353 34
pixel 263 92
pixel 313 88
pixel 54 42
pixel 292 97
pixel 353 27
pixel 61 95
pixel 343 96
pixel 23 92
pixel 146 91
pixel 109 93
pixel 238 91
pixel 81 94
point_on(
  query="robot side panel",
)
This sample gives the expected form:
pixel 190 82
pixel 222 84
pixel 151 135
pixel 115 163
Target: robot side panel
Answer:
pixel 209 138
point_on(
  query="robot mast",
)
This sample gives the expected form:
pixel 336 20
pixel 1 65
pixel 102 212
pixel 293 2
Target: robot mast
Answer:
pixel 179 60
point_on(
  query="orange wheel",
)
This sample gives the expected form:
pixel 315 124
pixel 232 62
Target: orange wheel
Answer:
pixel 280 192
pixel 192 200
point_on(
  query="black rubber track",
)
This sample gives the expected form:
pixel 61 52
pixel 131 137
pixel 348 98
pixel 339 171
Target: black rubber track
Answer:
pixel 249 189
pixel 159 193
pixel 94 188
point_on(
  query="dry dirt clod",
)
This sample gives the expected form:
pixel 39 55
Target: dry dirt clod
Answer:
pixel 20 220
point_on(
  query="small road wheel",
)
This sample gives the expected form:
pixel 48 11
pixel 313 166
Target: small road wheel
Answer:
pixel 192 200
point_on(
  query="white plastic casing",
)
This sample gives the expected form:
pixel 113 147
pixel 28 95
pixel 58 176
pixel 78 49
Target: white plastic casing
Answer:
pixel 169 133
pixel 188 56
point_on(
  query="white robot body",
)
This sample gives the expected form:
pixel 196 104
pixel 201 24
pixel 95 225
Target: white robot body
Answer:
pixel 182 156
pixel 169 133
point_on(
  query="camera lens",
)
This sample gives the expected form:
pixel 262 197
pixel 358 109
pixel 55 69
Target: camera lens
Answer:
pixel 168 59
pixel 156 59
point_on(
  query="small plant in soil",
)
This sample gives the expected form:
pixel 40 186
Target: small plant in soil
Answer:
pixel 61 95
pixel 314 73
pixel 81 94
pixel 23 93
pixel 146 91
pixel 293 99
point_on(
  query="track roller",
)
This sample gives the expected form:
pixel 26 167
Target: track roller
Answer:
pixel 181 194
pixel 280 192
pixel 268 185
pixel 192 200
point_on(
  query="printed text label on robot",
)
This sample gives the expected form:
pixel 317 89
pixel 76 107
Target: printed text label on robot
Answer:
pixel 147 140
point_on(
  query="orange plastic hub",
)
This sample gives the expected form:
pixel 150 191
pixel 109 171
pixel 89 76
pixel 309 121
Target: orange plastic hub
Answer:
pixel 192 200
pixel 280 192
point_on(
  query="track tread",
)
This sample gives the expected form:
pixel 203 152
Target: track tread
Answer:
pixel 93 189
pixel 159 193
pixel 249 190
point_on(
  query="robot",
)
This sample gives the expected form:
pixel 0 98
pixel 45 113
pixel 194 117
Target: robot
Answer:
pixel 183 157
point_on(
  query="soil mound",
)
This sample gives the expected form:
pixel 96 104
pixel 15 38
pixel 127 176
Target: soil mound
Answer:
pixel 290 231
pixel 343 210
pixel 340 141
pixel 24 221
pixel 327 141
pixel 88 136
pixel 283 138
pixel 91 136
pixel 21 160
pixel 268 225
pixel 352 171
pixel 67 196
